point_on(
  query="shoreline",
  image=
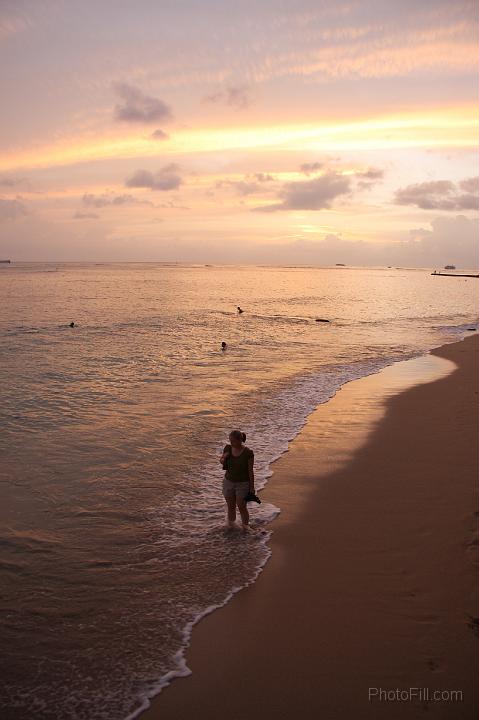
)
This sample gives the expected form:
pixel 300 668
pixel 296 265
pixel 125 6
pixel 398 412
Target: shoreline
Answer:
pixel 373 604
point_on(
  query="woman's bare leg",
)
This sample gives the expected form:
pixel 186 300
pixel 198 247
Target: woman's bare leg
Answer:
pixel 243 508
pixel 231 502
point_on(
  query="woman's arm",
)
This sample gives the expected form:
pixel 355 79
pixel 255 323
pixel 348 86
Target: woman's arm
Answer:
pixel 251 473
pixel 226 452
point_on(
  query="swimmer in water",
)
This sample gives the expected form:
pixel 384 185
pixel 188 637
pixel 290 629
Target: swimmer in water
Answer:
pixel 239 310
pixel 72 324
pixel 223 346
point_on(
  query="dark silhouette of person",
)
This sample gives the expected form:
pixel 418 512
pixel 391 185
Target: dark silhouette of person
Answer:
pixel 238 483
pixel 72 324
pixel 223 346
pixel 239 310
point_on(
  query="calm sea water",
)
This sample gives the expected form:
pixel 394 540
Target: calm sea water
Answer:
pixel 111 522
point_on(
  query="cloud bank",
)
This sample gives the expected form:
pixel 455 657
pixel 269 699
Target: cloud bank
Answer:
pixel 449 240
pixel 159 134
pixel 136 107
pixel 85 216
pixel 12 209
pixel 167 178
pixel 10 181
pixel 236 96
pixel 99 201
pixel 441 195
pixel 313 194
pixel 308 168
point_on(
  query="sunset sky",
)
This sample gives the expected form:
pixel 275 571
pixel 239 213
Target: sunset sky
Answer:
pixel 250 131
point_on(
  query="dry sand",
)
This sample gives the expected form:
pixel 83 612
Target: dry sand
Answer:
pixel 372 581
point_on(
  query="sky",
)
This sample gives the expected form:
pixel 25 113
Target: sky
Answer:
pixel 220 131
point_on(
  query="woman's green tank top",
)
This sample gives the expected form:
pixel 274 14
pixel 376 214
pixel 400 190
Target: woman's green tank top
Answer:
pixel 237 469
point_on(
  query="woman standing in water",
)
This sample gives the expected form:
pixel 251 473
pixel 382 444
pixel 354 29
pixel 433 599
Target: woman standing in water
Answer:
pixel 237 460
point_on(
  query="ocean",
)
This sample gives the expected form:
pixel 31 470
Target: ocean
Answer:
pixel 111 521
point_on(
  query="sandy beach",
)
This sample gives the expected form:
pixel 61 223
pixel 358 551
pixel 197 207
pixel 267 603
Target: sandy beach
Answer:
pixel 372 582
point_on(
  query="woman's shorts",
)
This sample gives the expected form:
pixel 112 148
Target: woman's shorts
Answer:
pixel 235 489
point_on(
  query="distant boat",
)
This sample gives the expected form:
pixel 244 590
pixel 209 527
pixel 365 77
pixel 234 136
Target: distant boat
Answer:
pixel 449 267
pixel 340 265
pixel 5 261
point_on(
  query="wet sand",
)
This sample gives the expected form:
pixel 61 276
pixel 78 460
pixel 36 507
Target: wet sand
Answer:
pixel 373 579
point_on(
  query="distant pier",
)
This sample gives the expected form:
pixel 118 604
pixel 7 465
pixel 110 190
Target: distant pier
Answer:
pixel 443 274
